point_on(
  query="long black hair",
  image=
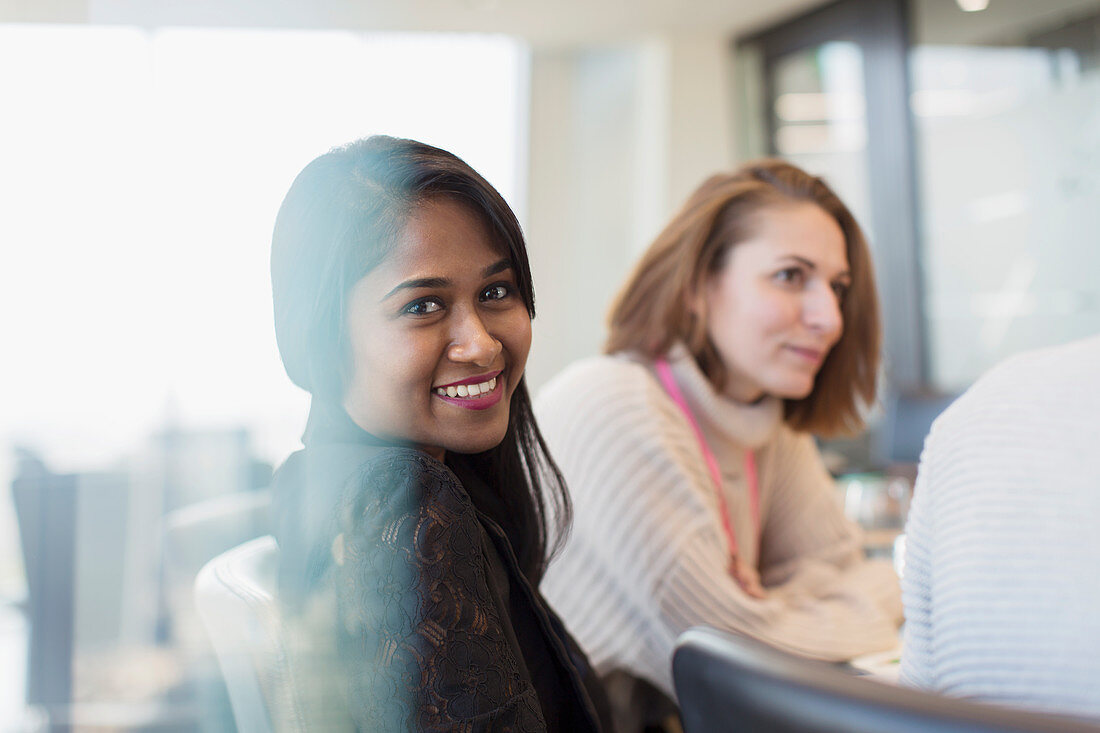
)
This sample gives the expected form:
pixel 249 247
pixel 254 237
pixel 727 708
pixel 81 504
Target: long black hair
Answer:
pixel 340 219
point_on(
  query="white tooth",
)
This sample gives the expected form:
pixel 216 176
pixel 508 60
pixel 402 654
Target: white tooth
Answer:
pixel 475 390
pixel 463 391
pixel 440 391
pixel 493 383
pixel 485 388
pixel 452 392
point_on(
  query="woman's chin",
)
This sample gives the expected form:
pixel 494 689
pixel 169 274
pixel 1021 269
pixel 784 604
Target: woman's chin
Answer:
pixel 795 389
pixel 475 443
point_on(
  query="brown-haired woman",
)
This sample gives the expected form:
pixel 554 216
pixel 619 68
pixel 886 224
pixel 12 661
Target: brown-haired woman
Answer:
pixel 700 497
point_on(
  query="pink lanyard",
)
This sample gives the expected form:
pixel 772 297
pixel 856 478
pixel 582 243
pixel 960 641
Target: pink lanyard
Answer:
pixel 664 373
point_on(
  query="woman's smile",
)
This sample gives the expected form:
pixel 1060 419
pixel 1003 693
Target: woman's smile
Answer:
pixel 474 393
pixel 811 356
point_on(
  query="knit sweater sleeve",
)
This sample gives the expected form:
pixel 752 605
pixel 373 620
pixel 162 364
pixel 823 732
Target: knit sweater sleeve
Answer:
pixel 810 549
pixel 823 599
pixel 917 661
pixel 648 559
pixel 1000 584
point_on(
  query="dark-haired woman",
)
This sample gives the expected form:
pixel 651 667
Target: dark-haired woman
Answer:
pixel 700 498
pixel 413 528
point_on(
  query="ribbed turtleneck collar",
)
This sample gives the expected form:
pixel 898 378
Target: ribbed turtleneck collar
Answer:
pixel 747 425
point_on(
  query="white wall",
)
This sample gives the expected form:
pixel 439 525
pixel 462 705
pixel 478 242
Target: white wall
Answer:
pixel 620 135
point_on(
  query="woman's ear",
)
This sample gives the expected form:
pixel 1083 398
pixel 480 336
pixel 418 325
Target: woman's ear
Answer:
pixel 695 299
pixel 695 304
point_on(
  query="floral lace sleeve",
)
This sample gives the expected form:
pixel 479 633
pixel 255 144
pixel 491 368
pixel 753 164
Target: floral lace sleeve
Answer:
pixel 422 636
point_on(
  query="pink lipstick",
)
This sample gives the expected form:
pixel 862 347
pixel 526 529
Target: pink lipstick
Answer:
pixel 473 393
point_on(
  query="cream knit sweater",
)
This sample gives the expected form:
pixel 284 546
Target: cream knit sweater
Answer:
pixel 1002 573
pixel 647 558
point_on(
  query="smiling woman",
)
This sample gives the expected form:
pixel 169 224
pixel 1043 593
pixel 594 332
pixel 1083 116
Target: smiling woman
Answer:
pixel 413 528
pixel 452 321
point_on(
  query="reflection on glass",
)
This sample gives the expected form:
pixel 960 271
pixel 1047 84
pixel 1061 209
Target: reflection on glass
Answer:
pixel 141 171
pixel 1006 104
pixel 820 122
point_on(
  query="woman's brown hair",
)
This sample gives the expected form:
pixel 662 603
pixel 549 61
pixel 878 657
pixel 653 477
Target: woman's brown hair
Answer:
pixel 653 310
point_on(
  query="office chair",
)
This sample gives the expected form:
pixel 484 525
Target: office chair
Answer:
pixel 235 597
pixel 193 535
pixel 733 683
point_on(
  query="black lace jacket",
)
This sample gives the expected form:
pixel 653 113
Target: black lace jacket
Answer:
pixel 411 600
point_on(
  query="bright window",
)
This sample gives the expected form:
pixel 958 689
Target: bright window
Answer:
pixel 140 174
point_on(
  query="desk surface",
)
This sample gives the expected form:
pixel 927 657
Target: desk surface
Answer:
pixel 882 666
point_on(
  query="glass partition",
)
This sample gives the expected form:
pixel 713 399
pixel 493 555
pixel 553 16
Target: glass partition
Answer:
pixel 820 119
pixel 1006 107
pixel 144 403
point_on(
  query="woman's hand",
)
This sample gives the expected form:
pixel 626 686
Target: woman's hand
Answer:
pixel 747 577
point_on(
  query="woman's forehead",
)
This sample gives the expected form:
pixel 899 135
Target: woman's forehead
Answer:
pixel 802 230
pixel 439 241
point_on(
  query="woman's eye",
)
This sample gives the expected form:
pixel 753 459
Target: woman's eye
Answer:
pixel 495 292
pixel 841 289
pixel 422 307
pixel 791 275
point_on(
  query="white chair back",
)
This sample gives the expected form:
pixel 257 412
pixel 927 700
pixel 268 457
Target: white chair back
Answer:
pixel 236 600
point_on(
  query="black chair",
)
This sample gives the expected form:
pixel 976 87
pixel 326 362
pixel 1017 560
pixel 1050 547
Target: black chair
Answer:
pixel 732 683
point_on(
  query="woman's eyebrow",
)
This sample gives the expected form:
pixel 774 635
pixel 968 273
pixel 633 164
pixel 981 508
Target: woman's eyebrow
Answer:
pixel 811 265
pixel 419 282
pixel 497 267
pixel 801 260
pixel 442 282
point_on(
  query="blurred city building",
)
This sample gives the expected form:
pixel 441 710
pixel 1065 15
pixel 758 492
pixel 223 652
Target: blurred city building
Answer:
pixel 111 558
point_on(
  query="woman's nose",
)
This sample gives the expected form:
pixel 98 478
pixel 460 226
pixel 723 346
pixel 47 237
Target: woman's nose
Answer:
pixel 821 311
pixel 472 343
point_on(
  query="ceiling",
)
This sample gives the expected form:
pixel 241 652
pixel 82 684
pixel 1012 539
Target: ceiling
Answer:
pixel 543 22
